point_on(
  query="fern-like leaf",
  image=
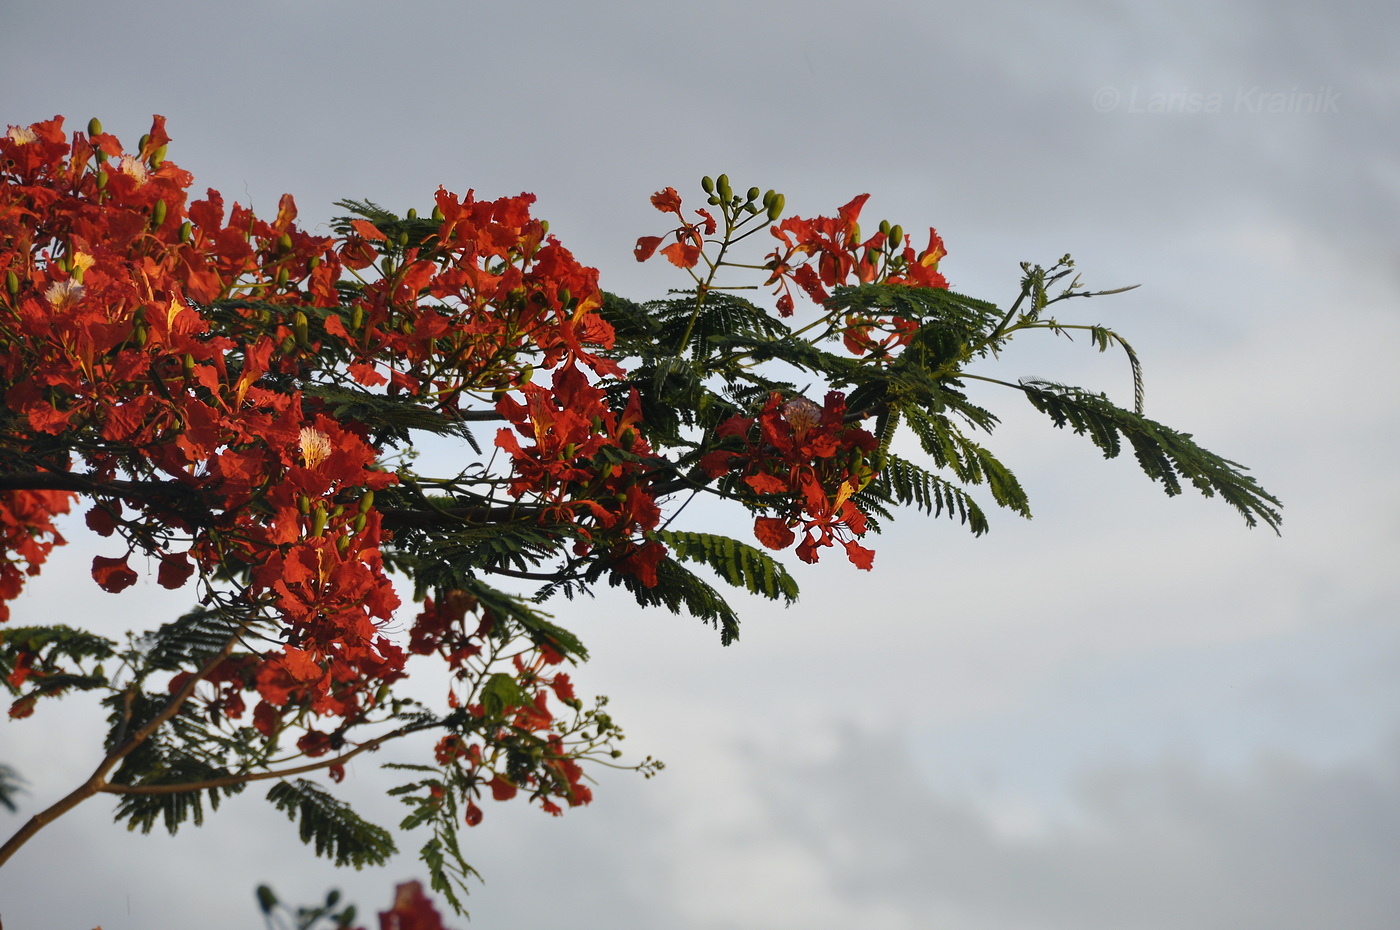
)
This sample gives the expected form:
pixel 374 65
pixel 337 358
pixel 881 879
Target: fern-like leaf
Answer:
pixel 330 826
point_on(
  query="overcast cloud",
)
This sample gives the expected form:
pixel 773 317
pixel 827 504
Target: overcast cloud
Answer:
pixel 1130 713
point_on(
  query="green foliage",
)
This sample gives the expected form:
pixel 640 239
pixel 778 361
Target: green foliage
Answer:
pixel 330 826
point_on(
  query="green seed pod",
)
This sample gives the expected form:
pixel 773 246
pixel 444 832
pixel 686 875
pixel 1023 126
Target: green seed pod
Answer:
pixel 159 157
pixel 101 180
pixel 158 214
pixel 300 327
pixel 186 230
pixel 359 524
pixel 775 208
pixel 438 215
pixel 12 282
pixel 318 520
pixel 367 502
pixel 722 188
pixel 753 194
pixel 94 127
pixel 707 184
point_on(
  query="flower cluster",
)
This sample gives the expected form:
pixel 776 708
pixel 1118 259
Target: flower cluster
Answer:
pixel 810 462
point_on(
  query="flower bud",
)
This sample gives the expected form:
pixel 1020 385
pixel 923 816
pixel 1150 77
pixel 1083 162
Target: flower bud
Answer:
pixel 288 345
pixel 188 363
pixel 318 520
pixel 94 127
pixel 141 143
pixel 12 282
pixel 284 242
pixel 186 229
pixel 438 215
pixel 897 235
pixel 775 208
pixel 412 213
pixel 707 184
pixel 357 318
pixel 367 502
pixel 342 545
pixel 359 523
pixel 753 194
pixel 283 275
pixel 101 180
pixel 303 503
pixel 158 214
pixel 722 188
pixel 158 157
pixel 300 326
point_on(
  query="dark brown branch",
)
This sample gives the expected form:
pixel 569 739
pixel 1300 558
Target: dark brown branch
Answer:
pixel 258 776
pixel 98 780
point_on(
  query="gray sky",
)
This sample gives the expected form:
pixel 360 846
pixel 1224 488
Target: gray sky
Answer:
pixel 1130 713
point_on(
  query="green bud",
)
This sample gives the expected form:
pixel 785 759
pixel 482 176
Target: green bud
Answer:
pixel 12 282
pixel 367 502
pixel 318 520
pixel 314 263
pixel 897 235
pixel 775 208
pixel 101 180
pixel 544 226
pixel 403 239
pixel 713 200
pixel 141 144
pixel 101 157
pixel 303 503
pixel 140 334
pixel 288 344
pixel 284 242
pixel 412 213
pixel 266 899
pixel 855 232
pixel 438 215
pixel 339 511
pixel 158 157
pixel 565 295
pixel 569 449
pixel 158 214
pixel 359 523
pixel 707 184
pixel 527 374
pixel 186 230
pixel 753 194
pixel 94 127
pixel 722 188
pixel 189 366
pixel 283 275
pixel 628 439
pixel 357 318
pixel 885 227
pixel 300 326
pixel 342 545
